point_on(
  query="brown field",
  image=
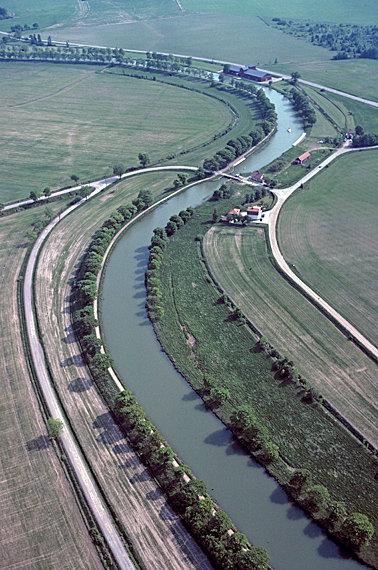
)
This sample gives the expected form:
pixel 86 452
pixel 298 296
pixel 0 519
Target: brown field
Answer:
pixel 154 530
pixel 41 524
pixel 240 262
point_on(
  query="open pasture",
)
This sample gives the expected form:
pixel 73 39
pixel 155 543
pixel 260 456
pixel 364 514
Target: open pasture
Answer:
pixel 42 526
pixel 59 120
pixel 328 232
pixel 341 372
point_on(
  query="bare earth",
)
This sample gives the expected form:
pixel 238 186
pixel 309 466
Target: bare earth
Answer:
pixel 42 526
pixel 155 531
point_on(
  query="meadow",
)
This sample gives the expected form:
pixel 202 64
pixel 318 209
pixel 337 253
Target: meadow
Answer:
pixel 241 264
pixel 329 233
pixel 224 349
pixel 285 173
pixel 42 526
pixel 59 120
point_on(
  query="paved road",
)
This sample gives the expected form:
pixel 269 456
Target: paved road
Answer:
pixel 104 181
pixel 271 219
pixel 221 62
pixel 87 483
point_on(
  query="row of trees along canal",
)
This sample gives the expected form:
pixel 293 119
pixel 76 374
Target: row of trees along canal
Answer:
pixel 225 546
pixel 353 529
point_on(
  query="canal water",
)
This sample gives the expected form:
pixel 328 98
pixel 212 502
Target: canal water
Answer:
pixel 253 500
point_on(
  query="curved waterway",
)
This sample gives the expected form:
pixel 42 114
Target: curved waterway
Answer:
pixel 254 501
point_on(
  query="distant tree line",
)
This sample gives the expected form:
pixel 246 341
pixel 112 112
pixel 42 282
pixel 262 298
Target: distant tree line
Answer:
pixel 348 40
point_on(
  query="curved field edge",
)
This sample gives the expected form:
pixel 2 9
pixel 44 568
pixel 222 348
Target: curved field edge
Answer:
pixel 328 233
pixel 134 497
pixel 308 436
pixel 83 112
pixel 39 510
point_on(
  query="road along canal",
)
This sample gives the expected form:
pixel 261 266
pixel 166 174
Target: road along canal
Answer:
pixel 254 501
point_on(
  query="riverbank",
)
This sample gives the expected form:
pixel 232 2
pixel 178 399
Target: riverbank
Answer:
pixel 222 349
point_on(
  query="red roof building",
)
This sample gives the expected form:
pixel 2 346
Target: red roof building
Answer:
pixel 234 212
pixel 302 158
pixel 257 176
pixel 254 212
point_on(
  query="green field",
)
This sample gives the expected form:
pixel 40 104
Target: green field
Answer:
pixel 58 120
pixel 42 526
pixel 307 436
pixel 356 76
pixel 241 264
pixel 361 114
pixel 329 232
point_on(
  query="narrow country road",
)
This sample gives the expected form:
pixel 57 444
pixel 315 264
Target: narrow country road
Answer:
pixel 85 479
pixel 104 181
pixel 271 219
pixel 87 484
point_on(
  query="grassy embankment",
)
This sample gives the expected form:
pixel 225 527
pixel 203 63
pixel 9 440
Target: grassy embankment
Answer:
pixel 157 540
pixel 82 113
pixel 307 435
pixel 329 233
pixel 44 527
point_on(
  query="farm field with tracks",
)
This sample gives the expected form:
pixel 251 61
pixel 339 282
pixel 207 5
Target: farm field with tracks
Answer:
pixel 329 233
pixel 342 373
pixel 42 526
pixel 155 532
pixel 91 122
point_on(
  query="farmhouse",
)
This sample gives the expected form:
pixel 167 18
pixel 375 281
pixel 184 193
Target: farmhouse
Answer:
pixel 234 212
pixel 254 213
pixel 302 158
pixel 257 176
pixel 236 69
pixel 256 75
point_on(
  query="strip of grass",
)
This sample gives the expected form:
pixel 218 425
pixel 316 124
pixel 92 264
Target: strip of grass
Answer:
pixel 329 233
pixel 308 437
pixel 361 114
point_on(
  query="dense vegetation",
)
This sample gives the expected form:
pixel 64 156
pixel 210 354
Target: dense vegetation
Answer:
pixel 227 547
pixel 3 13
pixel 234 377
pixel 349 40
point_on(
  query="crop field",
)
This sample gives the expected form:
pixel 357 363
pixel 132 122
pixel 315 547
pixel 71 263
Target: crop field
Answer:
pixel 156 533
pixel 42 526
pixel 307 435
pixel 335 252
pixel 241 264
pixel 59 120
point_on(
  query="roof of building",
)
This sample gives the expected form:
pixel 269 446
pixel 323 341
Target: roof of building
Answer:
pixel 304 156
pixel 237 68
pixel 234 212
pixel 257 174
pixel 254 210
pixel 256 73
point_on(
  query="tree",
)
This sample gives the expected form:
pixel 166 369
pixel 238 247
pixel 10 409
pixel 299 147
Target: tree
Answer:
pixel 34 196
pixel 118 169
pixel 256 558
pixel 48 213
pixel 218 396
pixel 359 130
pixel 294 77
pixel 49 41
pixel 85 191
pixel 357 530
pixel 143 159
pixel 47 192
pixel 54 427
pixel 317 497
pixel 299 479
pixel 215 216
pixel 336 513
pixel 75 178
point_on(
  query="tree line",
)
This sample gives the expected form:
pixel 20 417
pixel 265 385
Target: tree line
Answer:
pixel 302 105
pixel 225 546
pixel 348 40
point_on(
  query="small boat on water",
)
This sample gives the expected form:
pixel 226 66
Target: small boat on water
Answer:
pixel 289 130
